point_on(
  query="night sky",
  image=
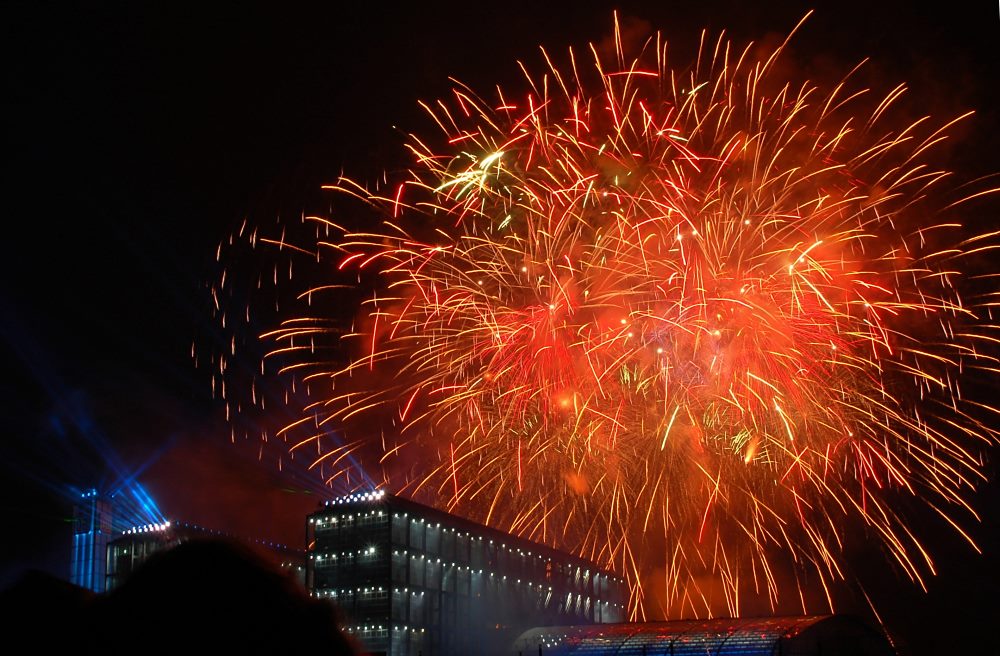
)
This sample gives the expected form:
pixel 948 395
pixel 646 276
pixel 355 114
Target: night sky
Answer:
pixel 139 135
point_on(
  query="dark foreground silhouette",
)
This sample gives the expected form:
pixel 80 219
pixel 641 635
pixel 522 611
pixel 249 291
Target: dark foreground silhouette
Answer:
pixel 199 596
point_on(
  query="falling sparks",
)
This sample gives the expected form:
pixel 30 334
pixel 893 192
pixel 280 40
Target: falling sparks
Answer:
pixel 684 321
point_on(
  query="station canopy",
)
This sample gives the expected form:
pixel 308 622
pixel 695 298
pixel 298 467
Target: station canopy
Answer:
pixel 820 635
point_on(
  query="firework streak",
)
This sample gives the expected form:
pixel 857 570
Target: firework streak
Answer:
pixel 693 323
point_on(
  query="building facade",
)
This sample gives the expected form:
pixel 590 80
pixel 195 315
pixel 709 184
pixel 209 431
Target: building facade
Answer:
pixel 415 581
pixel 99 516
pixel 136 544
pixel 92 528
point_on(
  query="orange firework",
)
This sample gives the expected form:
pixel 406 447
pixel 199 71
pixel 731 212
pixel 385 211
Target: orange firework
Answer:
pixel 684 322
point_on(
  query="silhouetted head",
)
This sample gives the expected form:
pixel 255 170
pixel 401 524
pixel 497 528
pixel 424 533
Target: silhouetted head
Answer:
pixel 214 595
pixel 43 611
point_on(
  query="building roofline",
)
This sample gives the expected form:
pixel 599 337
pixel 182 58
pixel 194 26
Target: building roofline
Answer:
pixel 381 499
pixel 176 528
pixel 774 630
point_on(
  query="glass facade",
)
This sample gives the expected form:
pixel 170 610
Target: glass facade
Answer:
pixel 413 580
pixel 827 635
pixel 92 517
pixel 135 545
pixel 129 551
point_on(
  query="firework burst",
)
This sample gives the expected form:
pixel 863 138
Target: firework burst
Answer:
pixel 633 311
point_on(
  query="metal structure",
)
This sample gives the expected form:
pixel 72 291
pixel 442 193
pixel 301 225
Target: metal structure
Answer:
pixel 136 544
pixel 93 515
pixel 413 580
pixel 820 635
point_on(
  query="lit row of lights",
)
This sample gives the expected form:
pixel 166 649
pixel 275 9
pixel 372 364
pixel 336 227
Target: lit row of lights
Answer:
pixel 323 521
pixel 147 528
pixel 586 573
pixel 504 546
pixel 352 629
pixel 156 528
pixel 370 551
pixel 375 495
pixel 265 543
pixel 366 595
pixel 378 494
pixel 460 567
pixel 420 593
pixel 346 590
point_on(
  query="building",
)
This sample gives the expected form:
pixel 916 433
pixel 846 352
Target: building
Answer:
pixel 99 516
pixel 822 635
pixel 92 528
pixel 136 544
pixel 412 580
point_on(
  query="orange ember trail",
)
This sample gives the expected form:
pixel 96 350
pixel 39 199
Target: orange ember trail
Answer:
pixel 688 322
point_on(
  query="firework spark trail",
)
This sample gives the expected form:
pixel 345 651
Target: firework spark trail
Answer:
pixel 636 307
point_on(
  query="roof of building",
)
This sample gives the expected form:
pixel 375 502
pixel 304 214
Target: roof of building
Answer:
pixel 434 515
pixel 172 531
pixel 828 635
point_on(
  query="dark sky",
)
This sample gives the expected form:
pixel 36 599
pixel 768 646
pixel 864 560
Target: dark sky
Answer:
pixel 140 134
